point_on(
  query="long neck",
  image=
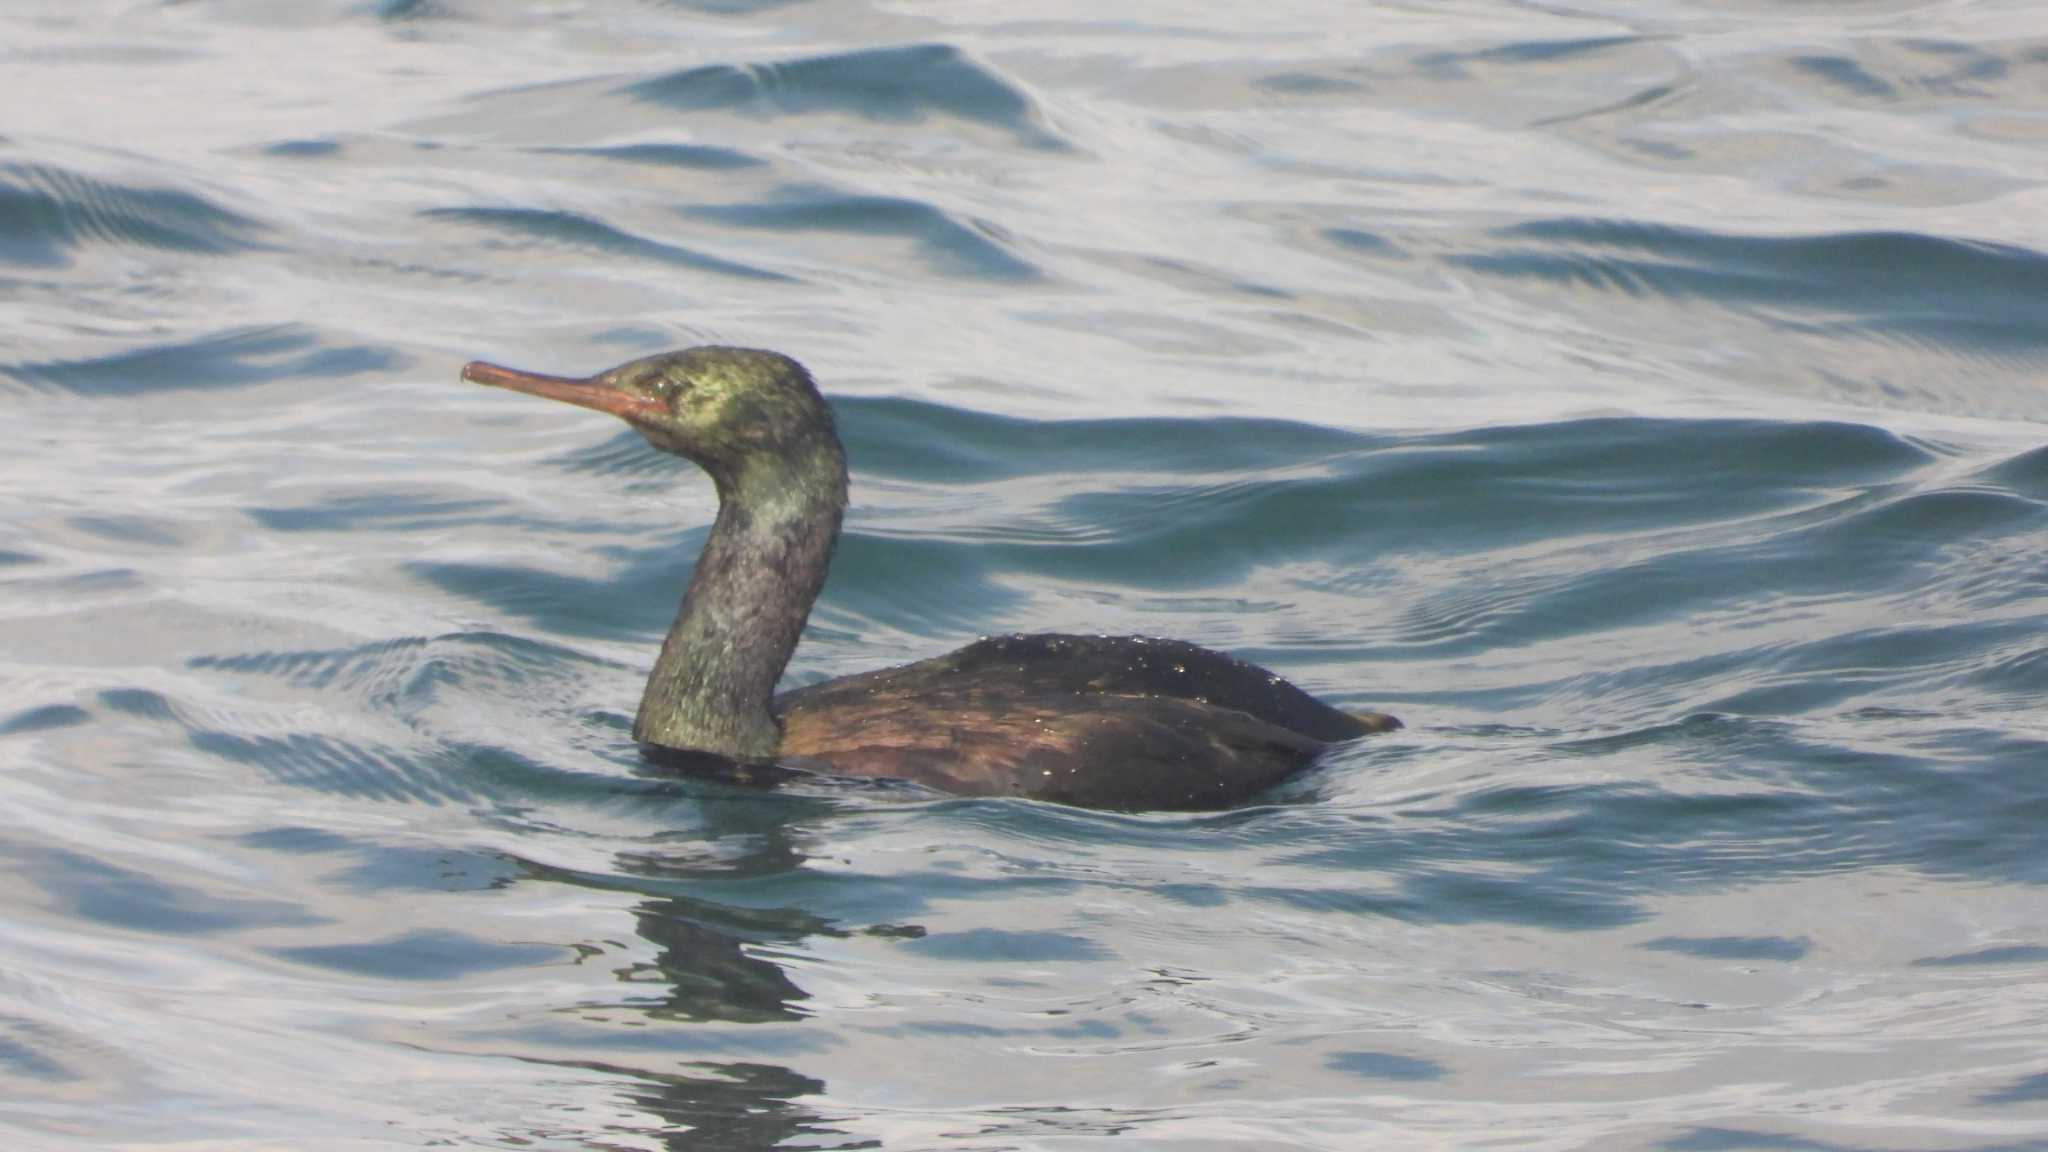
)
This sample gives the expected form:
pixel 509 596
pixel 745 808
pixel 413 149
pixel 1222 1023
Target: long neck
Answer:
pixel 714 682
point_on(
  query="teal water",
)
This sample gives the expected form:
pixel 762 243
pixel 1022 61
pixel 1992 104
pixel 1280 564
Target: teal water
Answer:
pixel 1644 402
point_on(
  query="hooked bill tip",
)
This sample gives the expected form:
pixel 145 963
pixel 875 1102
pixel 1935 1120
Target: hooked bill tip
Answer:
pixel 485 372
pixel 582 393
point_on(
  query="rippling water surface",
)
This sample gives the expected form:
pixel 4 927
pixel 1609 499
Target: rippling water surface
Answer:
pixel 1645 401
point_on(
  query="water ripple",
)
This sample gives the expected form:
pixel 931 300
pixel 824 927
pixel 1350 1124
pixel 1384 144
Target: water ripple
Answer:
pixel 48 212
pixel 1717 822
pixel 235 358
pixel 574 230
pixel 953 247
pixel 698 157
pixel 1966 295
pixel 902 84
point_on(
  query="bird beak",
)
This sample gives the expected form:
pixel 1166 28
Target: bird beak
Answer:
pixel 582 393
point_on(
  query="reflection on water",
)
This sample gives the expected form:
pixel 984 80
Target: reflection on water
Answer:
pixel 707 965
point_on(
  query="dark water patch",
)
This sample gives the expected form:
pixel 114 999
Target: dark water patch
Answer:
pixel 1634 102
pixel 1384 1066
pixel 526 786
pixel 637 602
pixel 1307 84
pixel 950 247
pixel 1344 902
pixel 1740 1140
pixel 1715 1139
pixel 296 841
pixel 384 868
pixel 12 559
pixel 46 213
pixel 1959 804
pixel 96 580
pixel 639 336
pixel 895 85
pixel 574 230
pixel 1193 895
pixel 1973 809
pixel 698 157
pixel 405 674
pixel 734 7
pixel 934 443
pixel 1995 337
pixel 1189 276
pixel 626 456
pixel 2025 474
pixel 129 530
pixel 1368 243
pixel 1845 74
pixel 1937 47
pixel 1818 674
pixel 1971 68
pixel 406 11
pixel 1450 620
pixel 2022 675
pixel 953 1028
pixel 1076 1030
pixel 396 510
pixel 1967 295
pixel 122 898
pixel 1085 1029
pixel 923 587
pixel 431 954
pixel 1933 518
pixel 1562 901
pixel 1896 544
pixel 342 768
pixel 1948 70
pixel 1060 829
pixel 1452 65
pixel 1782 948
pixel 321 669
pixel 139 702
pixel 22 1044
pixel 1562 858
pixel 1477 492
pixel 234 358
pixel 2029 1090
pixel 48 718
pixel 2005 954
pixel 1452 492
pixel 1791 801
pixel 1338 554
pixel 984 945
pixel 303 149
pixel 388 869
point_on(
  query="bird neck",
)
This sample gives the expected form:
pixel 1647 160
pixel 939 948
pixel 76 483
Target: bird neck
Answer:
pixel 713 685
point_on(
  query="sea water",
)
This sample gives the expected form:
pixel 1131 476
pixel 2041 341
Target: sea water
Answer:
pixel 1644 401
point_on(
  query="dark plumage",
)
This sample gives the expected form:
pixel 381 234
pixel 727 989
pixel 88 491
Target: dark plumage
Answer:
pixel 1106 722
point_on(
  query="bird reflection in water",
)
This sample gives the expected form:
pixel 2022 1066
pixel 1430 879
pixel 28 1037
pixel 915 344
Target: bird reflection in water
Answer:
pixel 706 969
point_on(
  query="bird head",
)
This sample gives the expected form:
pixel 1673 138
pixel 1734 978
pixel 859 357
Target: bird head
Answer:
pixel 719 407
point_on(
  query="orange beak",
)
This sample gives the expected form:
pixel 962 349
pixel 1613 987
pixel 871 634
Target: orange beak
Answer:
pixel 582 393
